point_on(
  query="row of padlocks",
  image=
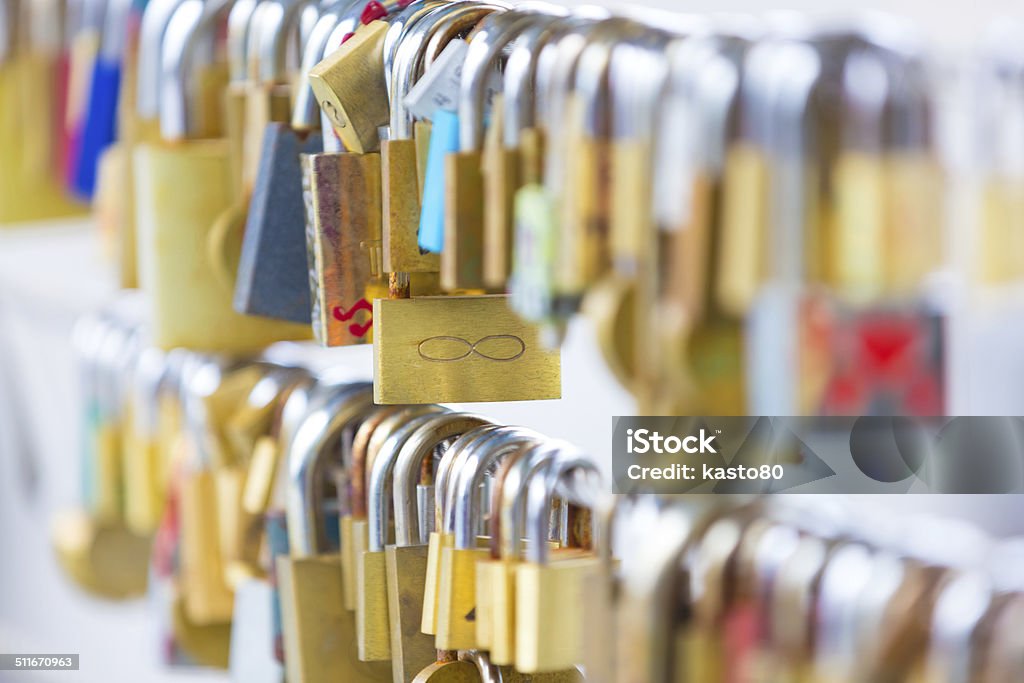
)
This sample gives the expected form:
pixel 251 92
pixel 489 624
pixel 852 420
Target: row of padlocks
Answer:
pixel 291 529
pixel 752 212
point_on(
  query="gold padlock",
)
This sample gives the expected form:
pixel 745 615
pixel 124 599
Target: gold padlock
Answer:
pixel 406 560
pixel 191 296
pixel 549 591
pixel 463 254
pixel 403 180
pixel 372 611
pixel 507 518
pixel 459 349
pixel 350 87
pixel 456 589
pixel 319 635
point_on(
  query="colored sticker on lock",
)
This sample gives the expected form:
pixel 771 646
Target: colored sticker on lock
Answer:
pixel 444 140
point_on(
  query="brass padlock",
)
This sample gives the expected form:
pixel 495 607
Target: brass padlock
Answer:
pixel 507 520
pixel 372 612
pixel 459 349
pixel 456 585
pixel 406 560
pixel 550 591
pixel 319 636
pixel 401 174
pixel 647 622
pixel 441 537
pixel 350 87
pixel 190 295
pixel 462 257
pixel 351 487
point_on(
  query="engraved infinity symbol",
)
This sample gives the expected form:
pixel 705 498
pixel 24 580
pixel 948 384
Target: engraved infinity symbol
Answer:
pixel 497 347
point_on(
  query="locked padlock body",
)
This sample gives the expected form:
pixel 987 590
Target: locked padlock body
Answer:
pixel 463 254
pixel 459 349
pixel 373 633
pixel 411 650
pixel 344 244
pixel 402 183
pixel 273 279
pixel 456 598
pixel 320 638
pixel 181 191
pixel 349 85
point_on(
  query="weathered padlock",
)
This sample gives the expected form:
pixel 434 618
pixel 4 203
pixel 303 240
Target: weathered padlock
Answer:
pixel 459 349
pixel 273 278
pixel 406 560
pixel 182 188
pixel 456 586
pixel 319 636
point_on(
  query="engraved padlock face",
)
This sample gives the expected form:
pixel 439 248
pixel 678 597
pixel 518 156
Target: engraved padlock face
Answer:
pixel 442 338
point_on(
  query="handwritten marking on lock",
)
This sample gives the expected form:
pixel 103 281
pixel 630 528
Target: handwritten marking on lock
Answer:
pixel 501 348
pixel 342 315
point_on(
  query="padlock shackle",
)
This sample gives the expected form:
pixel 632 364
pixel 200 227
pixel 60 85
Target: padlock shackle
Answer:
pixel 535 461
pixel 411 55
pixel 239 20
pixel 308 459
pixel 305 113
pixel 489 673
pixel 410 462
pixel 542 490
pixel 445 477
pixel 379 495
pixel 399 24
pixel 485 48
pixel 277 28
pixel 556 66
pixel 155 20
pixel 482 457
pixel 367 446
pixel 115 30
pixel 192 23
pixel 591 80
pixel 150 370
pixel 638 70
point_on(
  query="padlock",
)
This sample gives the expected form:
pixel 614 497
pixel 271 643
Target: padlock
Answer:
pixel 650 588
pixel 507 531
pixel 503 160
pixel 366 447
pixel 144 473
pixel 319 636
pixel 94 545
pixel 372 614
pixel 349 85
pixel 456 585
pixel 402 181
pixel 442 537
pixel 99 125
pixel 710 263
pixel 537 212
pixel 549 592
pixel 631 231
pixel 406 560
pixel 459 349
pixel 462 257
pixel 183 261
pixel 30 189
pixel 273 278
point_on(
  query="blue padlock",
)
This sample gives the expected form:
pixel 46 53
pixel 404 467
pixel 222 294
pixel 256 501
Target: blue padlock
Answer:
pixel 100 127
